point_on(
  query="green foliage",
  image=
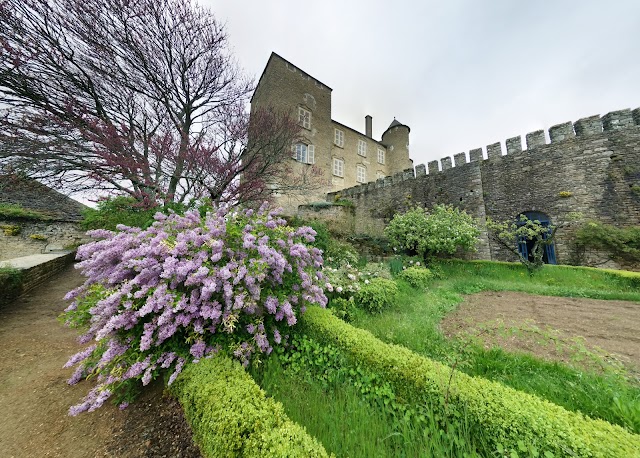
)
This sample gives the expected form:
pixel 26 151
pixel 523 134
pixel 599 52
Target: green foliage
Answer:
pixel 511 233
pixel 338 415
pixel 555 280
pixel 343 308
pixel 396 265
pixel 443 231
pixel 622 243
pixel 374 246
pixel 10 283
pixel 122 210
pixel 10 211
pixel 338 252
pixel 10 230
pixel 39 237
pixel 506 416
pixel 346 280
pixel 417 276
pixel 323 236
pixel 343 203
pixel 320 204
pixel 230 415
pixel 377 295
pixel 353 411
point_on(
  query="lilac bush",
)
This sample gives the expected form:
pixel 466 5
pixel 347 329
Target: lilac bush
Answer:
pixel 183 289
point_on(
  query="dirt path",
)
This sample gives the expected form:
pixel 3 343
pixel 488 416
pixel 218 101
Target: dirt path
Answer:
pixel 613 326
pixel 34 395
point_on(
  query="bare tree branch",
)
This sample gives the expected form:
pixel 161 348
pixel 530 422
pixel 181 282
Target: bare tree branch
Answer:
pixel 137 97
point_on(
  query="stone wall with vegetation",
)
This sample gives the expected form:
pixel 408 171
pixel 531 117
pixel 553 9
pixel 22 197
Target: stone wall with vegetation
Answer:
pixel 15 281
pixel 591 166
pixel 340 218
pixel 23 238
pixel 36 219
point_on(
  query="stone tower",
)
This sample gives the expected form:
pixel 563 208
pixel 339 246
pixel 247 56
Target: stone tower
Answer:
pixel 396 139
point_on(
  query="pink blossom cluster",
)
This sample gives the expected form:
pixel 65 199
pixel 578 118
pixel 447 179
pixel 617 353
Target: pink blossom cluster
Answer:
pixel 185 288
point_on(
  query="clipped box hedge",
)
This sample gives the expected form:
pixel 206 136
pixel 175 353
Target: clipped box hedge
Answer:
pixel 505 415
pixel 231 417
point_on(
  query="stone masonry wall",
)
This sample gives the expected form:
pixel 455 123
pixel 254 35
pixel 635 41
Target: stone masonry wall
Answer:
pixel 591 166
pixel 341 219
pixel 57 235
pixel 33 272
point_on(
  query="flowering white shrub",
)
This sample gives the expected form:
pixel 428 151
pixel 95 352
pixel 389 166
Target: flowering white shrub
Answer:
pixel 183 289
pixel 346 280
pixel 443 231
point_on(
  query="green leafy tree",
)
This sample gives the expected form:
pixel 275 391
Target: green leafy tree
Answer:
pixel 443 231
pixel 124 210
pixel 512 234
pixel 619 243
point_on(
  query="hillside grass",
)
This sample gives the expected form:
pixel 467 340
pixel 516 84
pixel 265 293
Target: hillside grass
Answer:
pixel 12 211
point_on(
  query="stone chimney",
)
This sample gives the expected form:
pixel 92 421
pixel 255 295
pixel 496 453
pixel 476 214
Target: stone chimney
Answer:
pixel 368 129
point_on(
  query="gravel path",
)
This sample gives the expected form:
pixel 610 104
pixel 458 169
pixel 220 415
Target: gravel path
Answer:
pixel 34 395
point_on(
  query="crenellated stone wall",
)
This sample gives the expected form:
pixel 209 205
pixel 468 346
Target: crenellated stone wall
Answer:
pixel 591 166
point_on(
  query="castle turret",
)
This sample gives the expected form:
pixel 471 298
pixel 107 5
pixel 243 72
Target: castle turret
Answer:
pixel 396 139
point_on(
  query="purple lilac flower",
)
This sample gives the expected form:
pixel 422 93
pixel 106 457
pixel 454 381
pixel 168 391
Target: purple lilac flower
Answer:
pixel 198 349
pixel 80 356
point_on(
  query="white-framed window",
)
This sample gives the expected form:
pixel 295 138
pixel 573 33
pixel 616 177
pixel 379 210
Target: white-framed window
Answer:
pixel 380 156
pixel 338 167
pixel 338 138
pixel 304 118
pixel 361 174
pixel 304 153
pixel 362 148
pixel 379 175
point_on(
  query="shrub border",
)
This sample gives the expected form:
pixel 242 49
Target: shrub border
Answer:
pixel 231 416
pixel 505 415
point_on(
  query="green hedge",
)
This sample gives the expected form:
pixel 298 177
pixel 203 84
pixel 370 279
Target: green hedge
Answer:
pixel 10 284
pixel 231 417
pixel 505 415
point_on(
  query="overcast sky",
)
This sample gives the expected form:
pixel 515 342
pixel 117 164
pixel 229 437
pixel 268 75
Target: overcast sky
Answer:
pixel 461 73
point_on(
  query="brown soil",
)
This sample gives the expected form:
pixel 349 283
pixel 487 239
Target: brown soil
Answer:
pixel 35 398
pixel 557 328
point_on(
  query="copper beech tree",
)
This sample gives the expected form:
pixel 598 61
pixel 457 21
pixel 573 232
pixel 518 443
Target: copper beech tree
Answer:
pixel 135 97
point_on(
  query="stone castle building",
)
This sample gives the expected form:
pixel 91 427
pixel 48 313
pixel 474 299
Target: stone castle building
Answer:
pixel 342 155
pixel 590 167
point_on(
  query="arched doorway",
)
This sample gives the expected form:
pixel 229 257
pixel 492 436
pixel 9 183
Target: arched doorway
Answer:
pixel 525 246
